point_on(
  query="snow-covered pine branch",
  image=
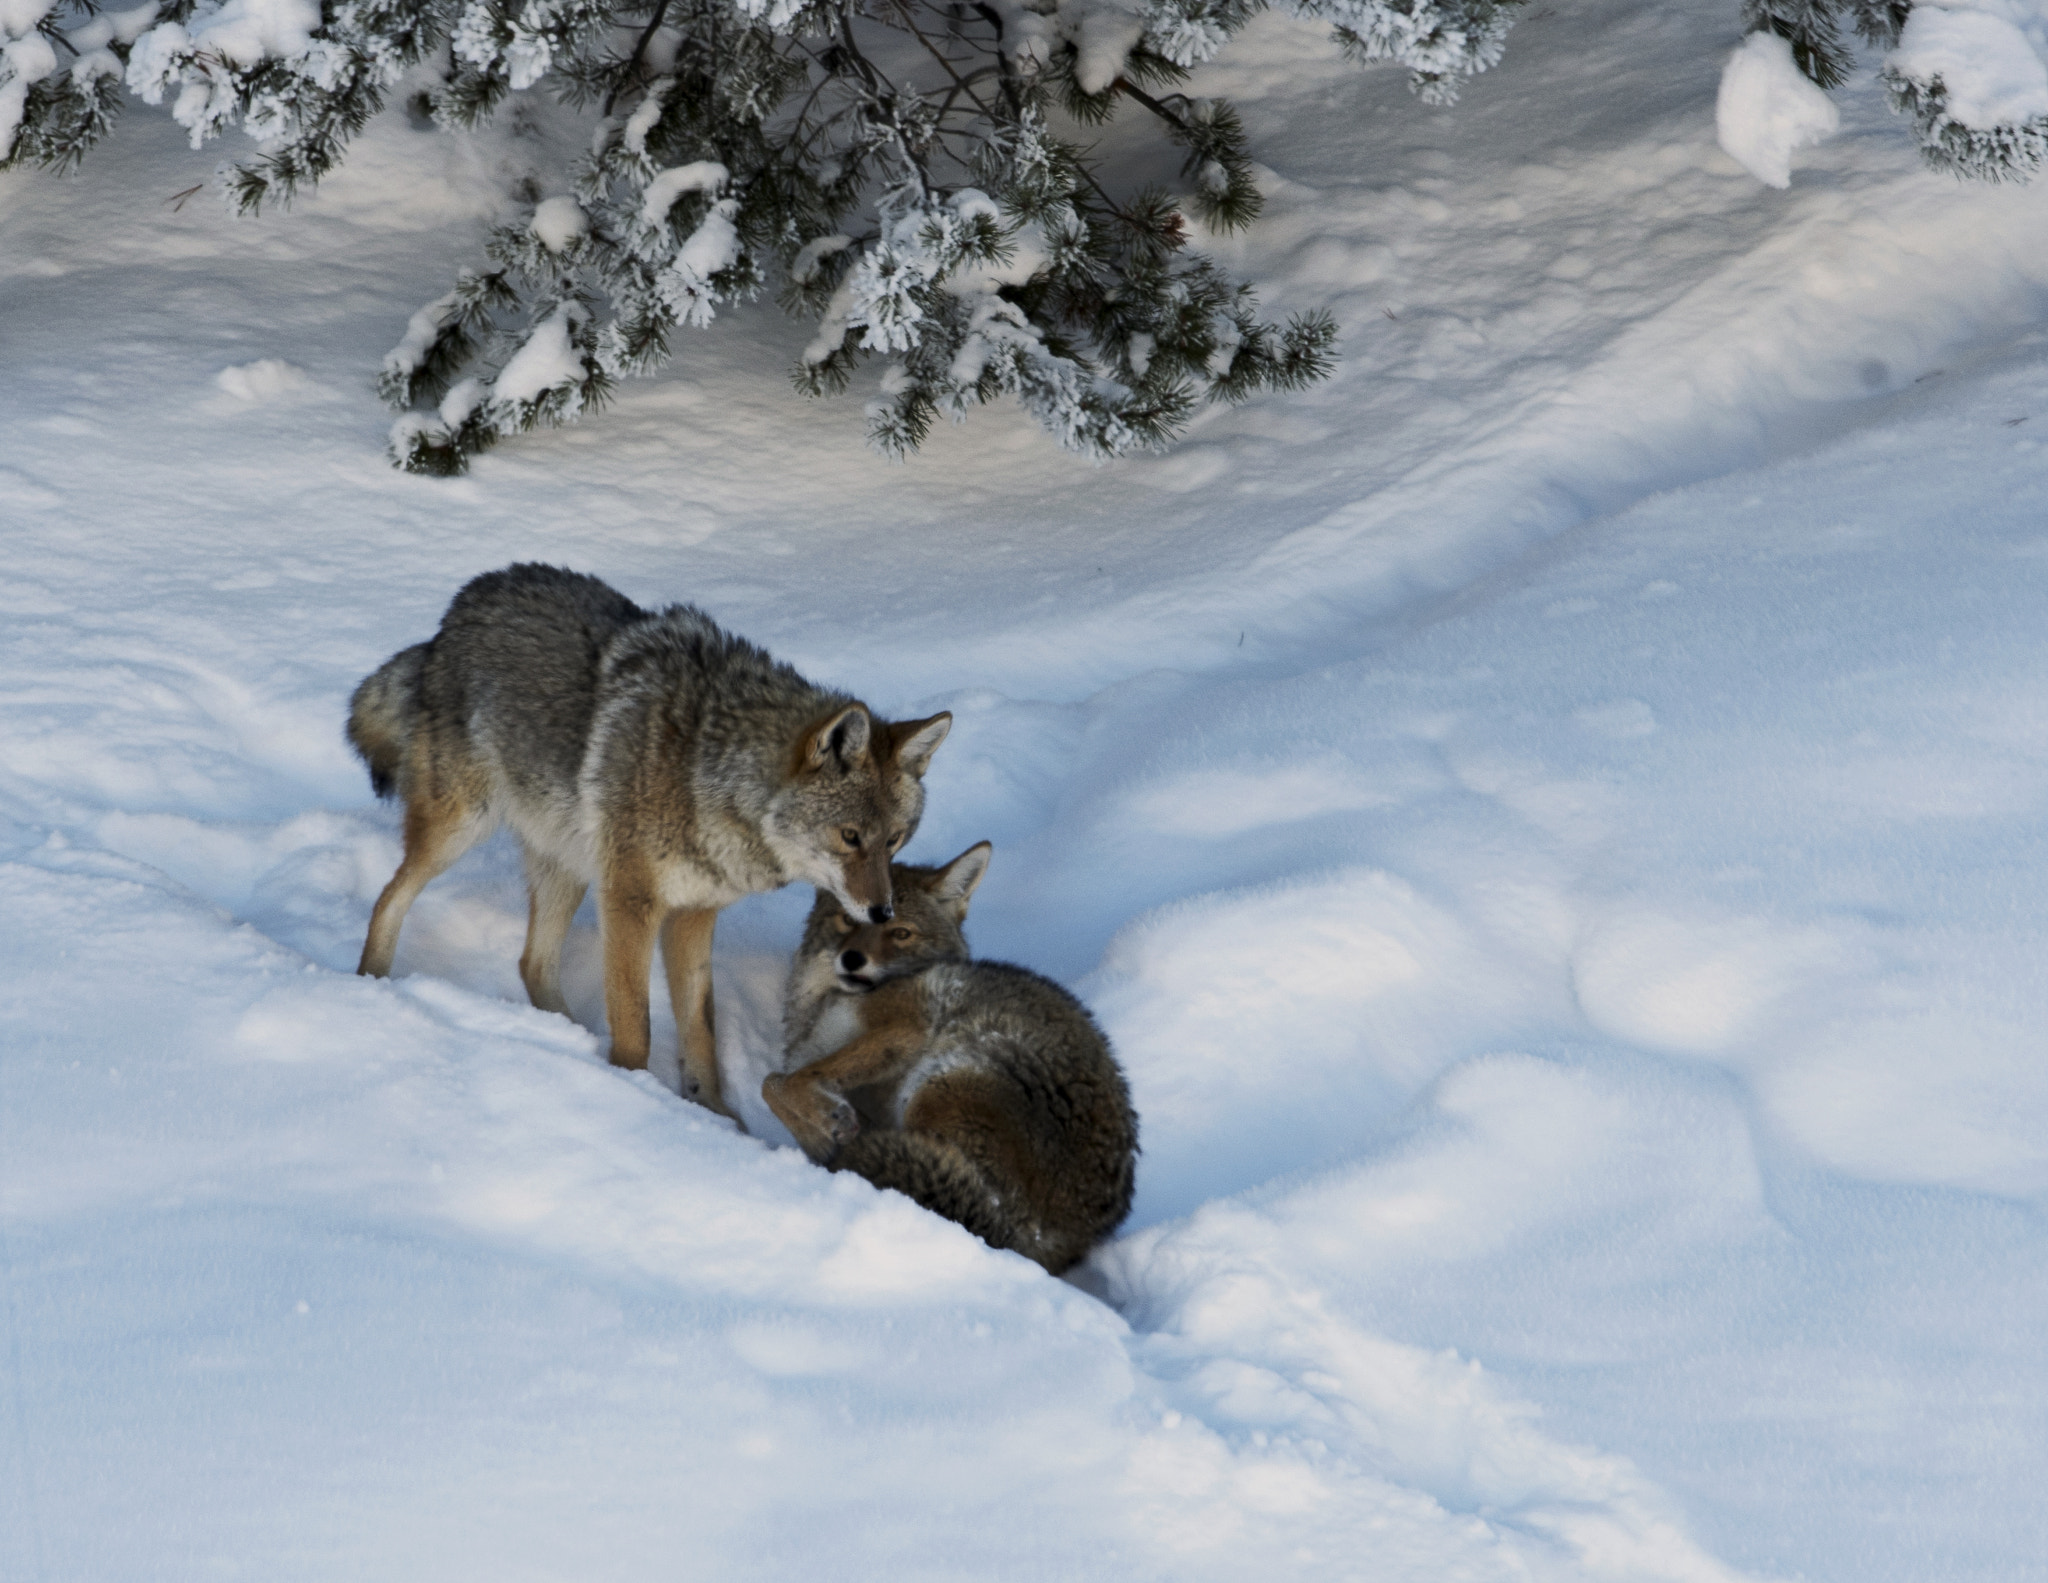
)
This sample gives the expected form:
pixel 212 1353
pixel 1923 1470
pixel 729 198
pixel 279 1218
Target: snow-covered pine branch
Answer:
pixel 905 170
pixel 894 166
pixel 60 89
pixel 1972 74
pixel 1975 81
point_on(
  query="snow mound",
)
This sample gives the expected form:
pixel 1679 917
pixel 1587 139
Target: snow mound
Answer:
pixel 268 379
pixel 1692 985
pixel 1767 108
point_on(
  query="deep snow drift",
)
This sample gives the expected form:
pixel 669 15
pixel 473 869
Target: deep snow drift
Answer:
pixel 1552 821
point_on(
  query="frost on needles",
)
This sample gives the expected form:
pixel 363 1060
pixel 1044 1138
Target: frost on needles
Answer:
pixel 916 176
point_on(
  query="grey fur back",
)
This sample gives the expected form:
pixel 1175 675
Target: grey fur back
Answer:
pixel 574 713
pixel 516 662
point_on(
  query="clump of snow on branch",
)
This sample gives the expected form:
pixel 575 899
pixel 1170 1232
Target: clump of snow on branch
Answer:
pixel 704 175
pixel 1439 41
pixel 1974 79
pixel 688 284
pixel 1989 66
pixel 208 65
pixel 560 224
pixel 1767 108
pixel 546 362
pixel 645 114
pixel 26 58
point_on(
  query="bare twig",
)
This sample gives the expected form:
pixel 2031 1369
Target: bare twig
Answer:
pixel 636 59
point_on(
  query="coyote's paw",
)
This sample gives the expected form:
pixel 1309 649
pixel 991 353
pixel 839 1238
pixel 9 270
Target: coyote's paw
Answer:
pixel 710 1098
pixel 820 1121
pixel 842 1121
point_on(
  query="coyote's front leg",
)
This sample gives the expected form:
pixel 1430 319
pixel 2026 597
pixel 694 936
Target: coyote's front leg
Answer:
pixel 686 954
pixel 811 1101
pixel 627 923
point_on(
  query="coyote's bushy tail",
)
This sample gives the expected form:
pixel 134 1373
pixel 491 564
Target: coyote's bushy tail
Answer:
pixel 381 716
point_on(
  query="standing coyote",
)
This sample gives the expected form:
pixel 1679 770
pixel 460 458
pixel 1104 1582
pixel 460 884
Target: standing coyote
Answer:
pixel 676 767
pixel 979 1089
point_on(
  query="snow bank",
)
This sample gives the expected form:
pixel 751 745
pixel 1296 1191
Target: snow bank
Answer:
pixel 1768 109
pixel 1361 963
pixel 692 1299
pixel 267 379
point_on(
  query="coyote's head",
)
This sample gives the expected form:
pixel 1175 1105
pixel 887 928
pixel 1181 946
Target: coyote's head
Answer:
pixel 852 796
pixel 931 906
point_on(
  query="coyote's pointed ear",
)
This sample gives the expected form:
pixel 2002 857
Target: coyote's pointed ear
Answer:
pixel 955 883
pixel 844 737
pixel 917 740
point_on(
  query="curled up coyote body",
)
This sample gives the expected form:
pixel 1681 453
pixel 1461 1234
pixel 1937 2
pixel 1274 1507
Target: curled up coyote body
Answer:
pixel 649 753
pixel 981 1090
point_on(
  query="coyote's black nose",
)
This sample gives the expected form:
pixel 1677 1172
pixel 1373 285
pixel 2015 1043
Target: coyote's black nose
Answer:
pixel 851 961
pixel 881 914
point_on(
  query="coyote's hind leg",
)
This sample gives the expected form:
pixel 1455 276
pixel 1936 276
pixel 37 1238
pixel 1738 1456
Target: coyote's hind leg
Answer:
pixel 552 896
pixel 438 830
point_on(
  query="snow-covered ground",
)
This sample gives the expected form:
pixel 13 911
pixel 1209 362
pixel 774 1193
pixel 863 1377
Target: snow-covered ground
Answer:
pixel 1552 820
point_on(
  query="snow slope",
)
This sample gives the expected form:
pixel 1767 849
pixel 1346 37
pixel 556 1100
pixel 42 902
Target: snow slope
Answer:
pixel 1550 819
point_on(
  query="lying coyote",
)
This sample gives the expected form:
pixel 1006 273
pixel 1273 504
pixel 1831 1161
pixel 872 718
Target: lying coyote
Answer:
pixel 979 1089
pixel 674 766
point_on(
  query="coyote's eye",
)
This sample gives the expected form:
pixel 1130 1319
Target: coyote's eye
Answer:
pixel 895 840
pixel 844 924
pixel 851 837
pixel 899 935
